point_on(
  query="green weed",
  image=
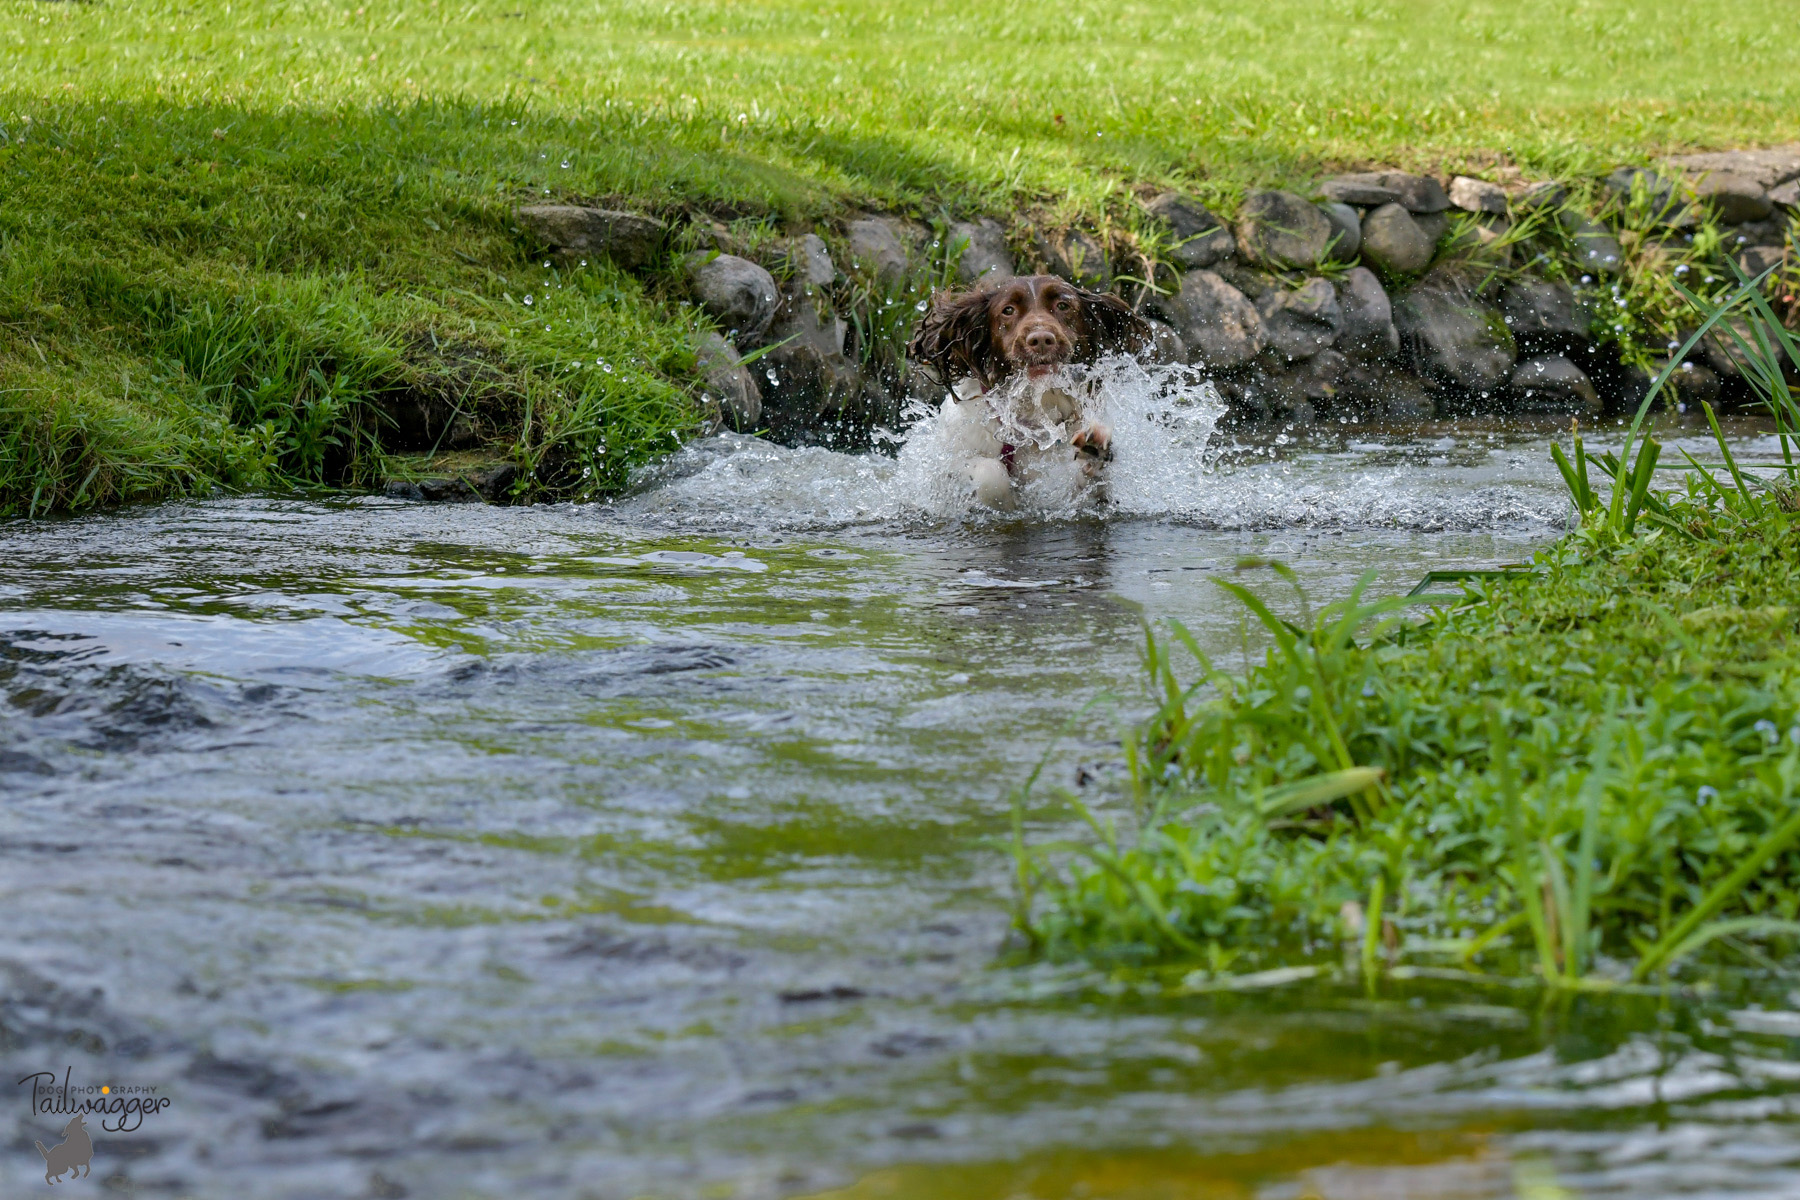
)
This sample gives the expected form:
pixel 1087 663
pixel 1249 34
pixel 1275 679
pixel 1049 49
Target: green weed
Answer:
pixel 1587 769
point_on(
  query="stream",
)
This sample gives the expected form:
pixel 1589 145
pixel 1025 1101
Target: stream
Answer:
pixel 646 849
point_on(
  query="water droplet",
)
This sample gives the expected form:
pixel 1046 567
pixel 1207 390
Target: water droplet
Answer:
pixel 528 300
pixel 565 164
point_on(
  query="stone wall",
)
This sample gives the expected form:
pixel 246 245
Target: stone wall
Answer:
pixel 1375 295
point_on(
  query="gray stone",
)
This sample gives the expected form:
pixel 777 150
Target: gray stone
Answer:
pixel 1756 259
pixel 1541 312
pixel 878 248
pixel 1546 193
pixel 1595 247
pixel 1252 281
pixel 728 383
pixel 1769 232
pixel 1452 338
pixel 1667 197
pixel 986 255
pixel 1786 195
pixel 1480 238
pixel 811 262
pixel 1280 229
pixel 1553 384
pixel 1300 323
pixel 1218 325
pixel 1166 345
pixel 1735 198
pixel 739 295
pixel 1346 231
pixel 1075 256
pixel 806 375
pixel 1294 391
pixel 629 239
pixel 1415 193
pixel 724 240
pixel 1271 395
pixel 1768 168
pixel 1368 316
pixel 1201 238
pixel 1694 384
pixel 1435 226
pixel 1393 241
pixel 1317 377
pixel 489 482
pixel 1386 394
pixel 1477 195
pixel 1658 188
pixel 1722 350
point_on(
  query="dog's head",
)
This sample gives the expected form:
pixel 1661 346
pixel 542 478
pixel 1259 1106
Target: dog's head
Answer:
pixel 1034 322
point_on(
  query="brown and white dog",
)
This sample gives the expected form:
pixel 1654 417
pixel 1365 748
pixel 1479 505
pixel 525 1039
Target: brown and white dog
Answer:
pixel 979 343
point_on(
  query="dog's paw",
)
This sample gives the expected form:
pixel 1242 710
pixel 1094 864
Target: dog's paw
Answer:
pixel 1095 441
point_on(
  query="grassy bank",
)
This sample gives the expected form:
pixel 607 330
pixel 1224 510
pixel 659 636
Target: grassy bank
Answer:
pixel 264 243
pixel 1586 770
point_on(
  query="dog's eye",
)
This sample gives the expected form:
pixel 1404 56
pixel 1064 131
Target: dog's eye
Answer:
pixel 1009 311
pixel 1064 306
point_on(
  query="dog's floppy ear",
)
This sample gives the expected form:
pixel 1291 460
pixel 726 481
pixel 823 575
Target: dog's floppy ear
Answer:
pixel 1111 324
pixel 956 338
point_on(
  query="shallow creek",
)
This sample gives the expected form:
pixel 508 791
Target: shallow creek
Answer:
pixel 638 849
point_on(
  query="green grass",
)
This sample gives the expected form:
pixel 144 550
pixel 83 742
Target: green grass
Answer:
pixel 1588 769
pixel 327 186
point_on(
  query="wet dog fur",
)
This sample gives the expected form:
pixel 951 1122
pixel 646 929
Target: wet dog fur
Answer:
pixel 975 341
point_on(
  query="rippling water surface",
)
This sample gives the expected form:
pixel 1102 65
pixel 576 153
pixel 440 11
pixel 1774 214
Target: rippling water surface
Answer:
pixel 638 849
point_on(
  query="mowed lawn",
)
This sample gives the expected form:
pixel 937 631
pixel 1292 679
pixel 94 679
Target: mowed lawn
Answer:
pixel 221 224
pixel 968 101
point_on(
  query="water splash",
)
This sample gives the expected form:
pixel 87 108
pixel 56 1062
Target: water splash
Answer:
pixel 1170 461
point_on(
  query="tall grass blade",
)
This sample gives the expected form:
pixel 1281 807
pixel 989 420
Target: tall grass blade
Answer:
pixel 1372 929
pixel 1750 501
pixel 1721 894
pixel 1525 876
pixel 1318 789
pixel 1719 929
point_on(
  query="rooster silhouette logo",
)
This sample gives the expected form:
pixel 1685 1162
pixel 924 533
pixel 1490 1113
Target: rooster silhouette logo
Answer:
pixel 75 1151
